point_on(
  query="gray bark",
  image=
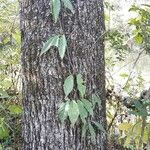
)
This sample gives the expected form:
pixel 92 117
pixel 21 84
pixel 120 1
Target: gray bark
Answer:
pixel 43 76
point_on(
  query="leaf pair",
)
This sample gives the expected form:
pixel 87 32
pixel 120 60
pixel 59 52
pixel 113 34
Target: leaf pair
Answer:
pixel 69 84
pixel 73 110
pixel 140 109
pixel 96 100
pixel 58 41
pixel 88 106
pixel 83 111
pixel 56 7
pixel 91 128
pixel 69 109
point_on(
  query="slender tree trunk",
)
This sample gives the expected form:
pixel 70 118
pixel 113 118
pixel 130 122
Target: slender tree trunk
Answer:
pixel 43 76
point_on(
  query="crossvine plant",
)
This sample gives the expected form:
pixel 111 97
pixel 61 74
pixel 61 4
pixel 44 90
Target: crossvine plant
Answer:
pixel 58 41
pixel 79 111
pixel 82 110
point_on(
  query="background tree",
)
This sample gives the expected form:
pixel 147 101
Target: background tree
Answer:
pixel 43 76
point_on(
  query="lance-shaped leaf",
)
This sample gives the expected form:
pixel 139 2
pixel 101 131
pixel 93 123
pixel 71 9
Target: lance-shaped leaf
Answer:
pixel 62 46
pixel 96 99
pixel 73 112
pixel 88 106
pixel 138 38
pixel 125 126
pixel 53 41
pixel 68 4
pixel 4 131
pixel 68 85
pixel 83 111
pixel 3 94
pixel 15 109
pixel 81 87
pixel 63 111
pixel 84 130
pixel 92 133
pixel 56 5
pixel 99 126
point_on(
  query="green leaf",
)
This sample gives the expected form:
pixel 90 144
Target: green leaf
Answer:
pixel 79 79
pixel 4 131
pixel 134 8
pixel 68 85
pixel 53 41
pixel 96 99
pixel 61 107
pixel 15 109
pixel 125 126
pixel 83 111
pixel 68 4
pixel 56 5
pixel 3 94
pixel 141 109
pixel 73 112
pixel 99 126
pixel 138 104
pixel 88 106
pixel 92 132
pixel 81 87
pixel 146 5
pixel 124 75
pixel 134 21
pixel 1 147
pixel 62 46
pixel 84 129
pixel 63 111
pixel 138 38
pixel 146 102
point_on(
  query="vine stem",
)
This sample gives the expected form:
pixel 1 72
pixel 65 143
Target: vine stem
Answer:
pixel 62 32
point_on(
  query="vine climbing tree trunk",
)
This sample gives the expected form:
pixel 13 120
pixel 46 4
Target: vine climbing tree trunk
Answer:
pixel 43 76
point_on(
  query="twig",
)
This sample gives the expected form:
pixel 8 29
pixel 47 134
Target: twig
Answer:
pixel 133 68
pixel 124 66
pixel 148 142
pixel 115 115
pixel 142 133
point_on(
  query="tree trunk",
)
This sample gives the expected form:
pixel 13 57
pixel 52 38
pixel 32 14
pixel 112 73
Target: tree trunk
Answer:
pixel 43 76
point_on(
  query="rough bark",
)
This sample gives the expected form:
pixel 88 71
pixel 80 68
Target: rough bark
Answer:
pixel 43 76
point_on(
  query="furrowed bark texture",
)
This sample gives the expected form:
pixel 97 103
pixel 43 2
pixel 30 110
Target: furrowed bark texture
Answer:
pixel 43 76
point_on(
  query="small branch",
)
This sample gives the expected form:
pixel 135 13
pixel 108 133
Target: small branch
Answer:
pixel 140 146
pixel 148 142
pixel 115 115
pixel 133 68
pixel 124 66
